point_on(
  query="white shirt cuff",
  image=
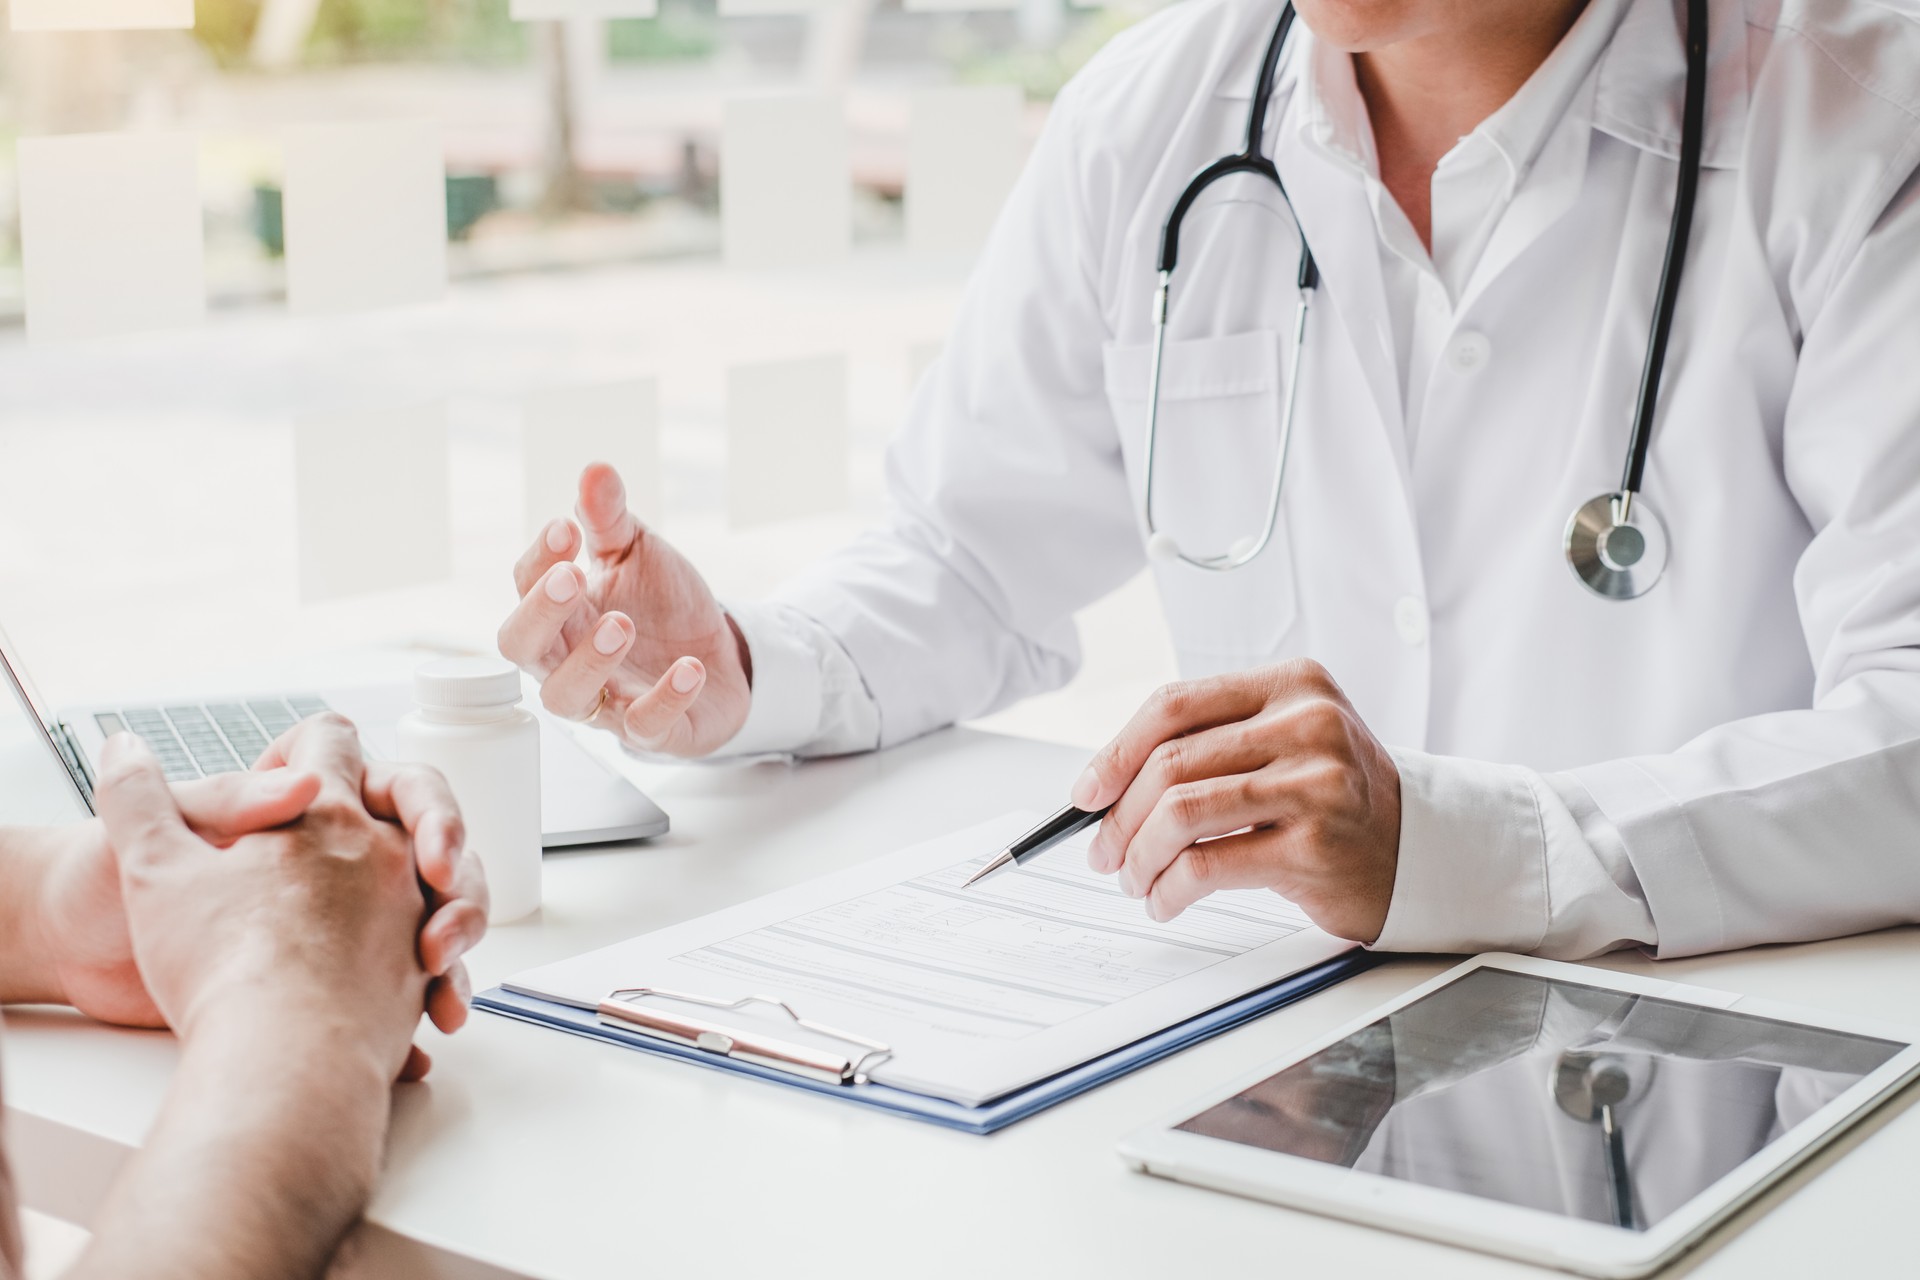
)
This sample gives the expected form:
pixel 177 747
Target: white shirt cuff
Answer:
pixel 1472 870
pixel 784 713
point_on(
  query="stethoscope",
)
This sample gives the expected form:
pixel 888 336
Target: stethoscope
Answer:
pixel 1592 1087
pixel 1615 542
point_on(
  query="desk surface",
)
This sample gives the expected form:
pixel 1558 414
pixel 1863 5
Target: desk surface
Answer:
pixel 530 1153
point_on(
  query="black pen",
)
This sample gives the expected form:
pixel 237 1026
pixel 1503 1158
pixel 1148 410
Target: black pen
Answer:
pixel 1040 839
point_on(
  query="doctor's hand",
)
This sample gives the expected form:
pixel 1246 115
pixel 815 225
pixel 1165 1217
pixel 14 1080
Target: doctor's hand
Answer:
pixel 635 643
pixel 1261 779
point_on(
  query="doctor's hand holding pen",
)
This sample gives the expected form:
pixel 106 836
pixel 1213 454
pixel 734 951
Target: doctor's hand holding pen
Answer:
pixel 679 682
pixel 1260 779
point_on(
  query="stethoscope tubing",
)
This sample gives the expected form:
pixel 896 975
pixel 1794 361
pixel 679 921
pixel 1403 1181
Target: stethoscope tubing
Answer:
pixel 1679 232
pixel 1594 522
pixel 1235 556
pixel 1306 279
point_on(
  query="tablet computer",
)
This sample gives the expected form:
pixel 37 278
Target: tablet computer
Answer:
pixel 1594 1121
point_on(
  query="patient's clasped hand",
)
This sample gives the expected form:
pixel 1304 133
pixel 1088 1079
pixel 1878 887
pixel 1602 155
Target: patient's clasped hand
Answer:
pixel 290 925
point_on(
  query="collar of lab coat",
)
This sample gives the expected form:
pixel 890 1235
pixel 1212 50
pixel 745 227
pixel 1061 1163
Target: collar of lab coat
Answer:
pixel 1639 81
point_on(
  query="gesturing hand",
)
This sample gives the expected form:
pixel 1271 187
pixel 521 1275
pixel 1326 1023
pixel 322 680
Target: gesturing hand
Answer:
pixel 639 624
pixel 307 929
pixel 1261 779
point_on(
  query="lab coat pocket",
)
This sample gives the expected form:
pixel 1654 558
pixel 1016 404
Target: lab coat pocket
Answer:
pixel 1219 433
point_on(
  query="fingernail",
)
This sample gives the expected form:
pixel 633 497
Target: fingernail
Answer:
pixel 557 536
pixel 686 675
pixel 1087 790
pixel 561 586
pixel 609 637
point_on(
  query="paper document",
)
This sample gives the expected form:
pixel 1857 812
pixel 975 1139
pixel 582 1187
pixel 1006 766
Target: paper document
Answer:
pixel 978 991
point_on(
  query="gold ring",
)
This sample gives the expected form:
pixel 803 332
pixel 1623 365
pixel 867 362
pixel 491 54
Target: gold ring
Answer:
pixel 598 707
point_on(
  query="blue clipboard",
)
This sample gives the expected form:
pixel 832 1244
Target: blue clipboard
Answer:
pixel 997 1114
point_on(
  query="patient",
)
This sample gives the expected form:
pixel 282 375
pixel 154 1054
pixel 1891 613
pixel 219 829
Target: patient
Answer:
pixel 290 925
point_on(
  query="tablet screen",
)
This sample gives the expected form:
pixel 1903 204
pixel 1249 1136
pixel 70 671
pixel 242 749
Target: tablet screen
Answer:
pixel 1577 1100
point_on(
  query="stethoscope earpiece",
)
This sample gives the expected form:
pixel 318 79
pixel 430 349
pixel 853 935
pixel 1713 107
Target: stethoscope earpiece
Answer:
pixel 1161 548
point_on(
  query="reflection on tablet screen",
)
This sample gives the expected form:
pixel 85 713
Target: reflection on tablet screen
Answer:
pixel 1575 1100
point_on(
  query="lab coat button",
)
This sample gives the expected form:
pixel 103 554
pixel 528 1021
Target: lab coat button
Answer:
pixel 1410 620
pixel 1468 351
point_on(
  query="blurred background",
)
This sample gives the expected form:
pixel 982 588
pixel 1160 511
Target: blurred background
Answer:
pixel 147 536
pixel 148 525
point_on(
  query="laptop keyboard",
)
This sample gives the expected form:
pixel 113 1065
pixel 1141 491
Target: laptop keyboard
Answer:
pixel 198 740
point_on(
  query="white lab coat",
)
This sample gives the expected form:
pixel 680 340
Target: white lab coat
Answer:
pixel 1742 743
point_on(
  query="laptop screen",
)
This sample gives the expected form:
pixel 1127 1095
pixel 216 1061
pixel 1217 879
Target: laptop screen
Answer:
pixel 38 711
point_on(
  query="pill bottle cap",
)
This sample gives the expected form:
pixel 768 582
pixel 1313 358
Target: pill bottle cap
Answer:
pixel 470 683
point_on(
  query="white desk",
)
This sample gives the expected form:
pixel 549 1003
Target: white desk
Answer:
pixel 532 1153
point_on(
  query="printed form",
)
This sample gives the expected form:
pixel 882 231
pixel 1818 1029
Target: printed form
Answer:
pixel 979 991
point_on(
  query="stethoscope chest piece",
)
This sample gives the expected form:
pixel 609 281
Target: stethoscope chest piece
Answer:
pixel 1616 546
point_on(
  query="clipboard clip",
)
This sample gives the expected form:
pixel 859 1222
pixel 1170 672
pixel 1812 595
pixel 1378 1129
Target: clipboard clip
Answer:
pixel 619 1011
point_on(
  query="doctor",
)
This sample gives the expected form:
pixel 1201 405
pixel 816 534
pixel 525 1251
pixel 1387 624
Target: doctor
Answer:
pixel 1422 725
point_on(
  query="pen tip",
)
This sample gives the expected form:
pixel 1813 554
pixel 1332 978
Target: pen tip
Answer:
pixel 1004 857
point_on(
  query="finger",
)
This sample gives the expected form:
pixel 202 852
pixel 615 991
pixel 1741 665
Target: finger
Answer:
pixel 450 932
pixel 1249 861
pixel 453 875
pixel 446 865
pixel 449 999
pixel 227 806
pixel 328 745
pixel 609 527
pixel 558 542
pixel 1192 811
pixel 419 799
pixel 136 805
pixel 1174 710
pixel 657 719
pixel 531 631
pixel 572 690
pixel 279 751
pixel 416 1066
pixel 1228 749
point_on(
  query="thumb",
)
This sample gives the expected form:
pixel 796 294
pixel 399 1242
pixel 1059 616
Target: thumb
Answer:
pixel 136 806
pixel 609 527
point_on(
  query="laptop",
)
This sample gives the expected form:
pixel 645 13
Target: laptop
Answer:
pixel 581 800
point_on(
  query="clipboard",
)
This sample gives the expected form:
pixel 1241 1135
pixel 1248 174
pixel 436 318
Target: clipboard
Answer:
pixel 712 1040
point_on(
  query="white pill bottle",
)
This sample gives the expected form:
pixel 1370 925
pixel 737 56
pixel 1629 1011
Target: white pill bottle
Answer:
pixel 469 725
